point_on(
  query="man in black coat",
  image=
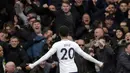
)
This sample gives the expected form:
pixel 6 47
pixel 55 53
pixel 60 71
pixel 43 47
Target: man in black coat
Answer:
pixel 1 60
pixel 123 64
pixel 16 54
pixel 67 17
pixel 83 65
pixel 105 54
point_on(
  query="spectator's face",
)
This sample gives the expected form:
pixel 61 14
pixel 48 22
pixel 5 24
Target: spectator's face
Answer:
pixel 81 44
pixel 119 33
pixel 15 18
pixel 52 8
pixel 123 7
pixel 128 49
pixel 48 34
pixel 31 21
pixel 129 5
pixel 123 24
pixel 108 23
pixel 86 19
pixel 36 27
pixel 129 12
pixel 30 15
pixel 65 7
pixel 42 64
pixel 8 29
pixel 98 33
pixel 2 36
pixel 127 37
pixel 112 9
pixel 14 42
pixel 49 41
pixel 1 51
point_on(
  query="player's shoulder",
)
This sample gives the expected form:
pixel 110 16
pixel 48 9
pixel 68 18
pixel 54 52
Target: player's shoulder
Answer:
pixel 72 42
pixel 61 42
pixel 56 43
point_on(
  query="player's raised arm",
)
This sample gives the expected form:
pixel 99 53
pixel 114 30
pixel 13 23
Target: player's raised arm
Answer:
pixel 87 56
pixel 45 57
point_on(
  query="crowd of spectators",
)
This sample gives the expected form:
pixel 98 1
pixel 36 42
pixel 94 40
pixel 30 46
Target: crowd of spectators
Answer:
pixel 28 29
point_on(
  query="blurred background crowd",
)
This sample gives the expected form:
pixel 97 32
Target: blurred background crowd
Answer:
pixel 28 29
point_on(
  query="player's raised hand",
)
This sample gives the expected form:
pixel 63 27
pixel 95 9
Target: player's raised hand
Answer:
pixel 101 65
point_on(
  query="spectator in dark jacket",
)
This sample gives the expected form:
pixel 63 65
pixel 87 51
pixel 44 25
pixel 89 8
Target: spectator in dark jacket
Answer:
pixel 1 60
pixel 110 25
pixel 16 53
pixel 53 59
pixel 84 31
pixel 123 64
pixel 122 12
pixel 118 41
pixel 83 65
pixel 66 17
pixel 80 6
pixel 105 53
pixel 101 14
pixel 43 67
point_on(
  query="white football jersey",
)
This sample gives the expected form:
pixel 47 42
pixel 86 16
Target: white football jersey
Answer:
pixel 65 52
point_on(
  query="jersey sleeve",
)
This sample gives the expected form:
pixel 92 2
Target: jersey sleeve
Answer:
pixel 87 56
pixel 44 57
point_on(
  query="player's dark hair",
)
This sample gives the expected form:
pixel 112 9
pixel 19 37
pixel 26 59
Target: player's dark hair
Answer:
pixel 64 31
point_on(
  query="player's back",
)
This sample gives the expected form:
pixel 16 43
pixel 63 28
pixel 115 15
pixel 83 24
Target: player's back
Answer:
pixel 65 54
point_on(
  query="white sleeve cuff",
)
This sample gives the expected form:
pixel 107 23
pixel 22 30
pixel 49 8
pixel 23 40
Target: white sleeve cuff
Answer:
pixel 31 66
pixel 100 64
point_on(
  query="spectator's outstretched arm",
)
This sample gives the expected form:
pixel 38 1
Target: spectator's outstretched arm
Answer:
pixel 19 12
pixel 45 57
pixel 40 10
pixel 87 56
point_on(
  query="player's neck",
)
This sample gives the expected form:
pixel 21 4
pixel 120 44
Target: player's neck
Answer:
pixel 64 38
